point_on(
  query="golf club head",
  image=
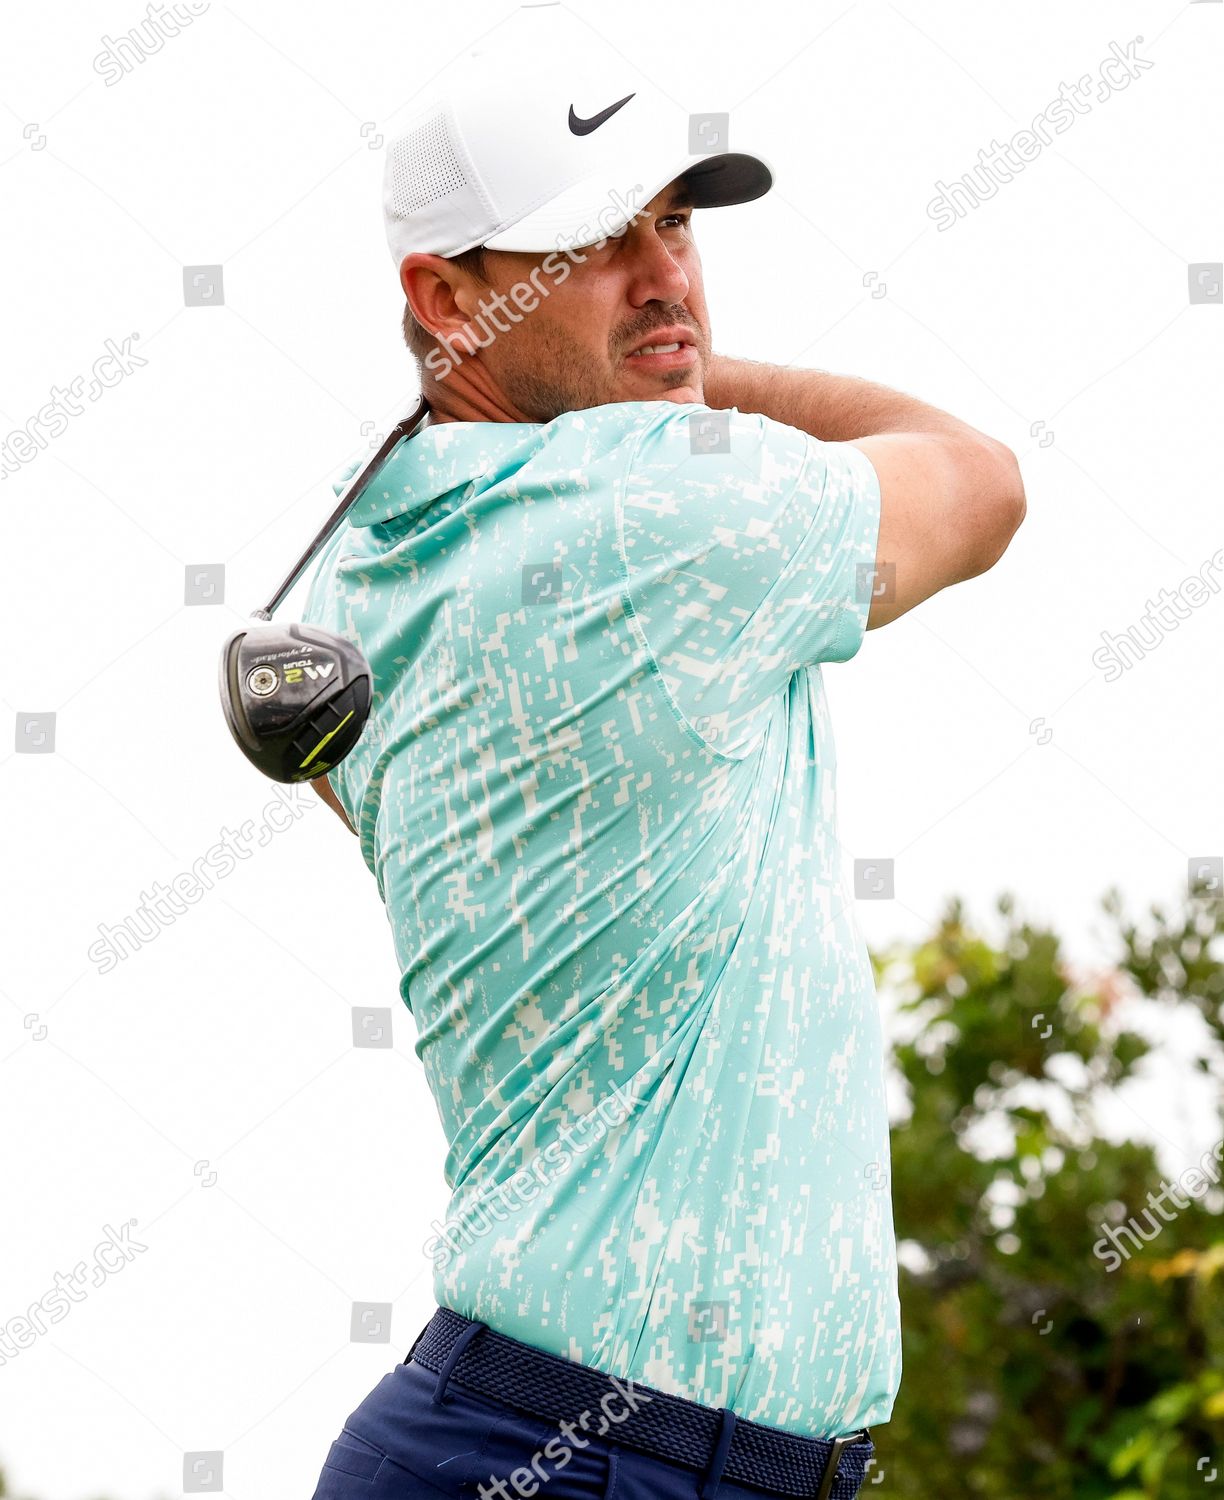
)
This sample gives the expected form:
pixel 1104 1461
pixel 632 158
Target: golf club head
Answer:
pixel 296 698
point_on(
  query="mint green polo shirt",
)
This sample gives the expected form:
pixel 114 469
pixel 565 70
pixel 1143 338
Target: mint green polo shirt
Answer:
pixel 597 792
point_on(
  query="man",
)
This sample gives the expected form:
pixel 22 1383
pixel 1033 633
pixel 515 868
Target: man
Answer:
pixel 597 794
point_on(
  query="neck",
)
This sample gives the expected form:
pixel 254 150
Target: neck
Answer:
pixel 468 394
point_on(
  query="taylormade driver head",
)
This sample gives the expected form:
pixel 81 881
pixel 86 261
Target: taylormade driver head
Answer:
pixel 296 698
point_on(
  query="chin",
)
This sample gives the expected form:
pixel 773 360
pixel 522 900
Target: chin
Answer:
pixel 685 393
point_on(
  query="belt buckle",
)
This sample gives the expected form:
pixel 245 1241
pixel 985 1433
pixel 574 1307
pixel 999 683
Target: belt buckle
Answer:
pixel 831 1468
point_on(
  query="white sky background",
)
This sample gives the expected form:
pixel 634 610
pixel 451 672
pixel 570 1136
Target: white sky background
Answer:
pixel 225 1045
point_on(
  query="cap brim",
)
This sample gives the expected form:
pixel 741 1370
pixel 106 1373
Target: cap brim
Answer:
pixel 733 177
pixel 593 208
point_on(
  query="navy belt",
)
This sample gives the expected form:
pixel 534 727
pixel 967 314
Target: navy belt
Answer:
pixel 710 1440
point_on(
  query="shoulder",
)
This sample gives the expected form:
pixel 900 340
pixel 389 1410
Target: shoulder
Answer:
pixel 687 445
pixel 680 427
pixel 720 473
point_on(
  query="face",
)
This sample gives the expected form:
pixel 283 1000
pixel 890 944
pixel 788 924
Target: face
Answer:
pixel 575 348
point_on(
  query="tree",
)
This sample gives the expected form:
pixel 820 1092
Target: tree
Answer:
pixel 1033 1364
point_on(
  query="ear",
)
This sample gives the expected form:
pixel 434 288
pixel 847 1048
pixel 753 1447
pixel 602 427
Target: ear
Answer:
pixel 441 298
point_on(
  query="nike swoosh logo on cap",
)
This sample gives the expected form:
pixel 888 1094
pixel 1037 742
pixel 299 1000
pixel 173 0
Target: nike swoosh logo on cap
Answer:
pixel 584 127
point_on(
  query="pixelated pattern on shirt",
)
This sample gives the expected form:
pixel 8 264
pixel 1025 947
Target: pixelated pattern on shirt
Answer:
pixel 597 792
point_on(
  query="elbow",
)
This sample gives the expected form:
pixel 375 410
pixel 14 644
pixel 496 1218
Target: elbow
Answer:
pixel 1016 505
pixel 1001 481
pixel 1001 504
pixel 1013 501
pixel 1008 502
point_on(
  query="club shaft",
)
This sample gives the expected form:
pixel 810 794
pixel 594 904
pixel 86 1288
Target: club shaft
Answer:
pixel 398 433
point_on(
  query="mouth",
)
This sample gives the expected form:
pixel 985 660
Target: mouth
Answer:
pixel 668 349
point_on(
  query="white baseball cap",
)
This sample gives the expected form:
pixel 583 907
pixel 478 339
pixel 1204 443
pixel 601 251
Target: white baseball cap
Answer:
pixel 548 139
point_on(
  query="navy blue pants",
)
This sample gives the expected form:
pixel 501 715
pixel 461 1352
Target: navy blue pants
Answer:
pixel 399 1445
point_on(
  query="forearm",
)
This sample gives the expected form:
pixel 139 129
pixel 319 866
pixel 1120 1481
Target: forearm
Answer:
pixel 835 408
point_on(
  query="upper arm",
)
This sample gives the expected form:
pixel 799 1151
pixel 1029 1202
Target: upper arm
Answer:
pixel 324 789
pixel 949 505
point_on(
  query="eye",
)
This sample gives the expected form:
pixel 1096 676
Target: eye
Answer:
pixel 680 218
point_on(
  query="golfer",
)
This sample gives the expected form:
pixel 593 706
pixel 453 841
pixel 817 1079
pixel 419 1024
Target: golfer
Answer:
pixel 597 589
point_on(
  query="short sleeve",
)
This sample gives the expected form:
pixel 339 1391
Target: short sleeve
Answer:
pixel 748 549
pixel 326 606
pixel 321 606
pixel 321 568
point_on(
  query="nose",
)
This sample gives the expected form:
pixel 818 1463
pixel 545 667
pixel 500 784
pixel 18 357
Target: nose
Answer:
pixel 657 275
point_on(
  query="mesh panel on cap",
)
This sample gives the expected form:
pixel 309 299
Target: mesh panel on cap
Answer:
pixel 424 168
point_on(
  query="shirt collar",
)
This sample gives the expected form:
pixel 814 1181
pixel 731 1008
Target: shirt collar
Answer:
pixel 442 457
